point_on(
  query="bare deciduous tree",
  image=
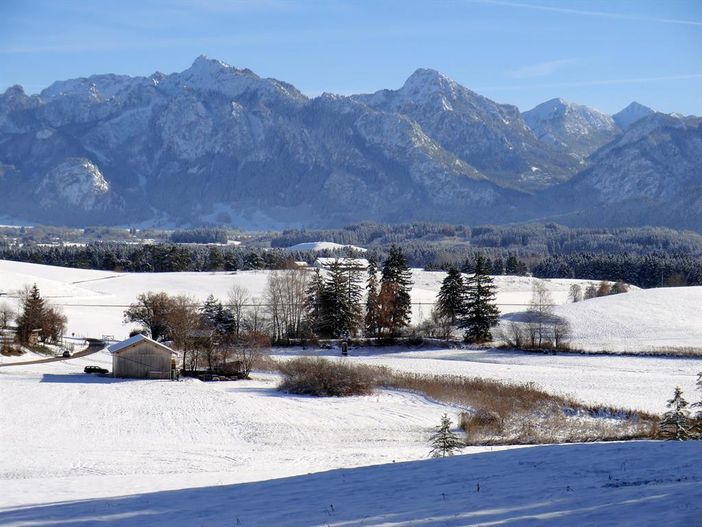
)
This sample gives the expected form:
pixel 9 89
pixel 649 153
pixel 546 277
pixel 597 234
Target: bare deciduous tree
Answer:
pixel 238 297
pixel 285 298
pixel 7 315
pixel 541 311
pixel 575 294
pixel 251 347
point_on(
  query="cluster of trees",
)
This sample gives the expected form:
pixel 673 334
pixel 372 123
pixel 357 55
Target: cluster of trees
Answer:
pixel 201 235
pixel 209 334
pixel 576 293
pixel 468 303
pixel 154 257
pixel 539 327
pixel 678 423
pixel 646 257
pixel 527 239
pixel 296 304
pixel 35 318
pixel 650 270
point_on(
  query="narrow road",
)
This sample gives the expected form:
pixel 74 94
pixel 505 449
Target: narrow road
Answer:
pixel 82 353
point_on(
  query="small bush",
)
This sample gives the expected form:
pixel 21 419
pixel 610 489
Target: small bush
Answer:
pixel 481 423
pixel 324 378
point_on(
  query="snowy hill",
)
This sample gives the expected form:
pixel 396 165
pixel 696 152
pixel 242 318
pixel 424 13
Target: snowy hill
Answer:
pixel 632 484
pixel 644 320
pixel 94 301
pixel 321 246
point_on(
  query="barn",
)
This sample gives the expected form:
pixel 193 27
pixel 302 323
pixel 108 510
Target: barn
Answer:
pixel 140 357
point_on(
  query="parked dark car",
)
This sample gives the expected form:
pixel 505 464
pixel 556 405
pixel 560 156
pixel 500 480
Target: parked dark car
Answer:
pixel 94 369
pixel 66 353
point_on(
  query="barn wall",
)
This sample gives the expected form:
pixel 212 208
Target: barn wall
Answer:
pixel 144 360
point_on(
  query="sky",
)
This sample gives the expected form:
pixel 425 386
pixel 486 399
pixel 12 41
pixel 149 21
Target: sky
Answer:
pixel 604 54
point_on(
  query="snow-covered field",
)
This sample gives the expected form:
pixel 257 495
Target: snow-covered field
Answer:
pixel 81 450
pixel 68 435
pixel 639 383
pixel 94 301
pixel 641 320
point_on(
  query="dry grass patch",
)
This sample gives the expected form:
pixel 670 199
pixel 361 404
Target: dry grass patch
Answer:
pixel 495 413
pixel 325 378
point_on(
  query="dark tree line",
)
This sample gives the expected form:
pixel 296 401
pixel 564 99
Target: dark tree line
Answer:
pixel 155 257
pixel 650 270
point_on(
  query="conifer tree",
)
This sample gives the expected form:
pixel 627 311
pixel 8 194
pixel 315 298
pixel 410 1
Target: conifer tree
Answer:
pixel 480 311
pixel 341 301
pixel 395 286
pixel 313 303
pixel 676 421
pixel 444 442
pixel 32 314
pixel 450 299
pixel 372 319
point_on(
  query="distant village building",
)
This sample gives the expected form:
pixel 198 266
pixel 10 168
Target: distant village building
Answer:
pixel 360 264
pixel 140 357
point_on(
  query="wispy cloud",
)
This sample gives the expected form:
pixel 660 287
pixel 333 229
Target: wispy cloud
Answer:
pixel 540 69
pixel 595 82
pixel 585 12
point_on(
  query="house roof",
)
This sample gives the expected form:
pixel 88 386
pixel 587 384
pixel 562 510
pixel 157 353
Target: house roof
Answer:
pixel 131 341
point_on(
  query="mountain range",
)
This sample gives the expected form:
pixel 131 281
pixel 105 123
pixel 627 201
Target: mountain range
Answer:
pixel 219 145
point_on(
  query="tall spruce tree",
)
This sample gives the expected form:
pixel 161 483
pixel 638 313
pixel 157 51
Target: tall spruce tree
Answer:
pixel 31 315
pixel 450 303
pixel 395 286
pixel 372 319
pixel 313 303
pixel 480 312
pixel 341 301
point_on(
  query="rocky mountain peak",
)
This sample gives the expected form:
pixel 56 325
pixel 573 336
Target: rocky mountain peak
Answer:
pixel 571 126
pixel 631 114
pixel 427 81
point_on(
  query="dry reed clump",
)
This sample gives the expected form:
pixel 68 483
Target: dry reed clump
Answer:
pixel 499 413
pixel 496 413
pixel 325 378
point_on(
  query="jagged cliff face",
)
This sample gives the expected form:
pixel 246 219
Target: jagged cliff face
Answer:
pixel 571 127
pixel 491 137
pixel 220 144
pixel 651 175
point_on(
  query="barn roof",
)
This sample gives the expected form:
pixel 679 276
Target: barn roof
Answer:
pixel 119 346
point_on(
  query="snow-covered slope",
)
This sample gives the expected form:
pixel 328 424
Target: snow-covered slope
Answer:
pixel 632 113
pixel 104 436
pixel 634 484
pixel 644 320
pixel 575 127
pixel 321 246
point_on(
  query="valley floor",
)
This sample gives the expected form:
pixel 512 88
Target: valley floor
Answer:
pixel 83 450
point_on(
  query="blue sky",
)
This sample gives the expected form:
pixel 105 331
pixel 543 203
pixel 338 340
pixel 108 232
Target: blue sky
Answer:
pixel 604 54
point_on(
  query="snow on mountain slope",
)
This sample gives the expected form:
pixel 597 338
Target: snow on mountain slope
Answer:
pixel 643 320
pixel 572 126
pixel 631 114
